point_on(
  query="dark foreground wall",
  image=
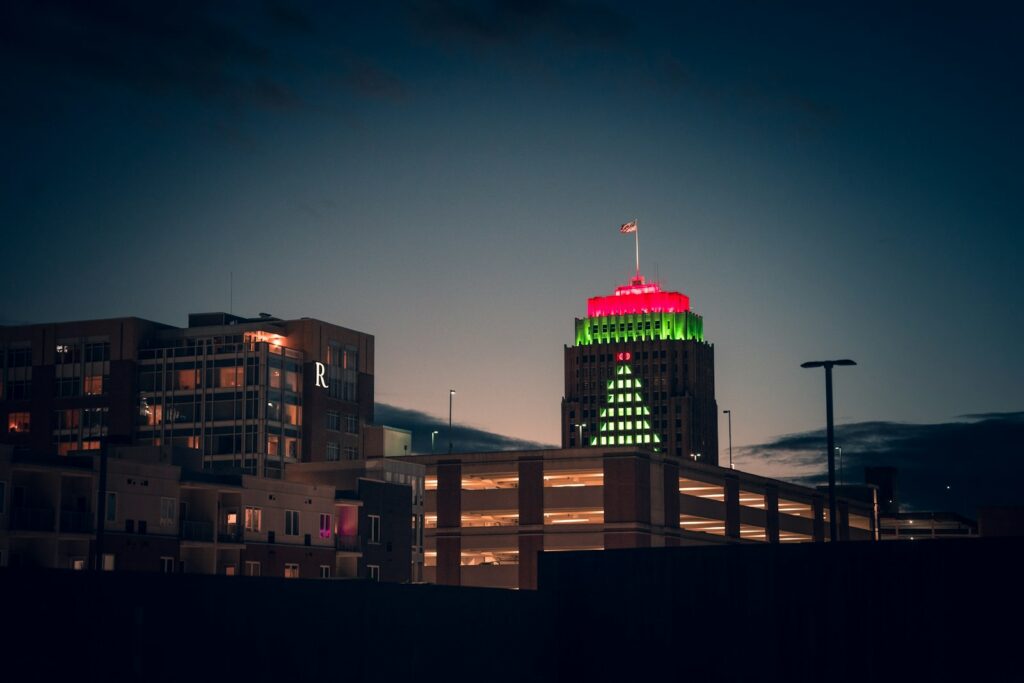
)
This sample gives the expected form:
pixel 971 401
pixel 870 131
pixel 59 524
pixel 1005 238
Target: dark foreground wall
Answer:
pixel 154 627
pixel 902 610
pixel 906 610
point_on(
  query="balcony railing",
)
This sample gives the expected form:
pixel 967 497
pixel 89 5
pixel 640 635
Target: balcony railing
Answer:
pixel 196 531
pixel 32 519
pixel 75 522
pixel 229 534
pixel 348 543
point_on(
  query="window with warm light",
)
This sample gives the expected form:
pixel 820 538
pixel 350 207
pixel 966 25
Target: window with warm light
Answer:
pixel 291 570
pixel 92 385
pixel 18 423
pixel 253 518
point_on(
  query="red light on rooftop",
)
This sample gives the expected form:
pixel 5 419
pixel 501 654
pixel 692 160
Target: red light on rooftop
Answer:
pixel 623 356
pixel 638 297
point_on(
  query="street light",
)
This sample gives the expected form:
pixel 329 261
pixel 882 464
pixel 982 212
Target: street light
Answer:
pixel 451 395
pixel 828 365
pixel 433 435
pixel 842 476
pixel 729 413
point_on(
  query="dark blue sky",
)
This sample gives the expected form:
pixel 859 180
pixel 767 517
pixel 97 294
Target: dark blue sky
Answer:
pixel 822 181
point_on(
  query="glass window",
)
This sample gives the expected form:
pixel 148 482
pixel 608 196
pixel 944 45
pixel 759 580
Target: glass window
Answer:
pixel 333 420
pixel 92 385
pixel 352 424
pixel 18 423
pixel 291 522
pixel 252 568
pixel 167 565
pixel 253 518
pixel 325 525
pixel 333 453
pixel 374 521
pixel 325 571
pixel 373 572
pixel 230 377
pixel 168 512
pixel 291 570
pixel 108 562
pixel 111 507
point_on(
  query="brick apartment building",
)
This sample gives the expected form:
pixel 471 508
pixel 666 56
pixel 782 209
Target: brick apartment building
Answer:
pixel 162 511
pixel 250 393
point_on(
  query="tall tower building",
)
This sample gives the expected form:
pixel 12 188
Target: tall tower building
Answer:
pixel 640 372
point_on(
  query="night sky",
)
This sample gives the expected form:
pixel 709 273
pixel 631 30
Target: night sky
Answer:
pixel 823 182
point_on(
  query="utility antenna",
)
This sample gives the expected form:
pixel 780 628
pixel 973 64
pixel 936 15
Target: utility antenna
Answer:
pixel 231 293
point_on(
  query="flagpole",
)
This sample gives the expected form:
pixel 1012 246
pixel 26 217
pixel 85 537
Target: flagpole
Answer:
pixel 636 242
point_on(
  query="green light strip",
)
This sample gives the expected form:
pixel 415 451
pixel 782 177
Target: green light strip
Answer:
pixel 639 327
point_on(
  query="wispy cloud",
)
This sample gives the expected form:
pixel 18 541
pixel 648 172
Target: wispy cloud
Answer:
pixel 464 439
pixel 980 458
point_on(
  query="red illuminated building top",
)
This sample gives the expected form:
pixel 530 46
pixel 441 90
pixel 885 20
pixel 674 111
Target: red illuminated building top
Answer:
pixel 638 297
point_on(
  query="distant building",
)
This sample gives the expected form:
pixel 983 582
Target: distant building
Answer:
pixel 917 526
pixel 253 394
pixel 641 374
pixel 489 514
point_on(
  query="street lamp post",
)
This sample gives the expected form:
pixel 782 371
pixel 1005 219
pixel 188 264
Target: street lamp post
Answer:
pixel 451 395
pixel 433 435
pixel 842 477
pixel 830 429
pixel 729 413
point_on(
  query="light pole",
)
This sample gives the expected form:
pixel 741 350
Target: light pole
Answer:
pixel 433 435
pixel 451 395
pixel 729 413
pixel 842 477
pixel 828 365
pixel 579 429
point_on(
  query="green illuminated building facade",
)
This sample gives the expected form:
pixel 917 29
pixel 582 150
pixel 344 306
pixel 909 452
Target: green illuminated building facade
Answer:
pixel 641 373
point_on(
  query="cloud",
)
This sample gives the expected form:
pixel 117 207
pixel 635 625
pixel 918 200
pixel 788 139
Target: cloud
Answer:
pixel 502 22
pixel 979 458
pixel 465 439
pixel 148 46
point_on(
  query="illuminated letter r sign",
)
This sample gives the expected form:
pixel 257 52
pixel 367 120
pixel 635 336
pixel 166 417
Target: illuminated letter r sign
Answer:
pixel 320 369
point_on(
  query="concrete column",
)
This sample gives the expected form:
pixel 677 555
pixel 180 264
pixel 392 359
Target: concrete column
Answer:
pixel 531 492
pixel 732 506
pixel 671 485
pixel 531 514
pixel 449 521
pixel 530 546
pixel 627 500
pixel 771 509
pixel 818 508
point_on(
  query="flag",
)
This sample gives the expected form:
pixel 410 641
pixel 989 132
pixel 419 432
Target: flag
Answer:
pixel 628 227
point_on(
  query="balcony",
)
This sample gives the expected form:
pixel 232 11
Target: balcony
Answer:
pixel 231 533
pixel 350 544
pixel 196 531
pixel 31 519
pixel 75 522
